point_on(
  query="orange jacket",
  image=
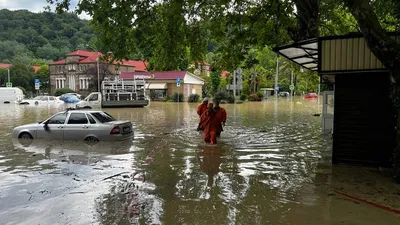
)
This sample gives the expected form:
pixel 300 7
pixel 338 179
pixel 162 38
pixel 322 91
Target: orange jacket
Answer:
pixel 221 114
pixel 201 109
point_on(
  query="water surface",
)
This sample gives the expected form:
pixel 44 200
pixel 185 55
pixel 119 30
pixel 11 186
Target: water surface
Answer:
pixel 272 165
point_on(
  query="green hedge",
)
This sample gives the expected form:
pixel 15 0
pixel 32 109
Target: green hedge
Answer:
pixel 175 97
pixel 194 98
pixel 62 91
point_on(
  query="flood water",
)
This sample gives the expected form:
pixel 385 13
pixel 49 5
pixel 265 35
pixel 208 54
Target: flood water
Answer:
pixel 272 165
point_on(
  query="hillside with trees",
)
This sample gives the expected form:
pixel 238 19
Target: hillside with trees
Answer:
pixel 37 38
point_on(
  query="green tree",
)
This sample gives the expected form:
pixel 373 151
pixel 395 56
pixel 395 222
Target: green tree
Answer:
pixel 215 81
pixel 25 36
pixel 3 76
pixel 22 75
pixel 43 74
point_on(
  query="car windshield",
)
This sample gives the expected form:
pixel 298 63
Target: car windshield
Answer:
pixel 103 117
pixel 38 98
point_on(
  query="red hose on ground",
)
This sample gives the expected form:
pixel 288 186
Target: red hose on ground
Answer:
pixel 370 203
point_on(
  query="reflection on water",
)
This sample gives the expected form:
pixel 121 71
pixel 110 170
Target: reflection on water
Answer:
pixel 271 166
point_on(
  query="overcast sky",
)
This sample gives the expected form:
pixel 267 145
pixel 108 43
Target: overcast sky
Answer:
pixel 31 5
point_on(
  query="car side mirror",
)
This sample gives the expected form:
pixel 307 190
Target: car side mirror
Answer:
pixel 46 127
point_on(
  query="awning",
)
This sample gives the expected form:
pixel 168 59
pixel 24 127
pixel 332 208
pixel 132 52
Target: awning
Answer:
pixel 304 53
pixel 153 86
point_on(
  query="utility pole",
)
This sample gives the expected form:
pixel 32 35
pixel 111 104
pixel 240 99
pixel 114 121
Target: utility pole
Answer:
pixel 291 82
pixel 276 74
pixel 98 71
pixel 254 79
pixel 234 83
pixel 8 73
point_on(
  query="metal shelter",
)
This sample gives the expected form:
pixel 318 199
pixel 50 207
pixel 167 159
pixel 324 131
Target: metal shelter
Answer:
pixel 363 118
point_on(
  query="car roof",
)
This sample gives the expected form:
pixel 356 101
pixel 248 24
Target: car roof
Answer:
pixel 85 111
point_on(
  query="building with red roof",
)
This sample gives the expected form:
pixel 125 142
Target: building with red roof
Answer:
pixel 164 83
pixel 5 65
pixel 78 71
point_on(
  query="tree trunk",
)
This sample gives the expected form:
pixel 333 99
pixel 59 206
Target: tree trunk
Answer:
pixel 307 20
pixel 387 50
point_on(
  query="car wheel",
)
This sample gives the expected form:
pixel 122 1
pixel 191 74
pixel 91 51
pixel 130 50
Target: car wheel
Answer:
pixel 36 103
pixel 91 139
pixel 87 107
pixel 25 135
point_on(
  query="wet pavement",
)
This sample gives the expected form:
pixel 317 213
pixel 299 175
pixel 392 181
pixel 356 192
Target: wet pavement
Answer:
pixel 272 165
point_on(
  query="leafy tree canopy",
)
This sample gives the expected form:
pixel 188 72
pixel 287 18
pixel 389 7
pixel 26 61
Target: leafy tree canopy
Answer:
pixel 32 37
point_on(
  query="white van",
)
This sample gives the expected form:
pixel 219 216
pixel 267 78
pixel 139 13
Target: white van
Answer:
pixel 10 95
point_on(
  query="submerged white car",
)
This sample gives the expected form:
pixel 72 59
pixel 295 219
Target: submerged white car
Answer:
pixel 41 100
pixel 84 125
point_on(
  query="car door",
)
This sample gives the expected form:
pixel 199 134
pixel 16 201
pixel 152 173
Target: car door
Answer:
pixel 77 126
pixel 94 100
pixel 53 128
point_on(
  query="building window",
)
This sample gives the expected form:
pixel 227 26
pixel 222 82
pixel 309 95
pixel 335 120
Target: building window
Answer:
pixel 83 83
pixel 60 83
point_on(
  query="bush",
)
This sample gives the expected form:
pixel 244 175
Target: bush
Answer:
pixel 177 97
pixel 223 96
pixel 193 98
pixel 230 98
pixel 254 97
pixel 62 91
pixel 219 96
pixel 166 98
pixel 239 102
pixel 260 94
pixel 244 97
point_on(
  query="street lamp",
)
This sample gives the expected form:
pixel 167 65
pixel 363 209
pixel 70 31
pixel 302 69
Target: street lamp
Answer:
pixel 8 73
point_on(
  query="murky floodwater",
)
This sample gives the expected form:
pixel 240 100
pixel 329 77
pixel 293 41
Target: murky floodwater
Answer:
pixel 272 165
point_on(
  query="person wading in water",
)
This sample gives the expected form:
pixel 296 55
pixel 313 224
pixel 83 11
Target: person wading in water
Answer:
pixel 221 114
pixel 210 123
pixel 201 109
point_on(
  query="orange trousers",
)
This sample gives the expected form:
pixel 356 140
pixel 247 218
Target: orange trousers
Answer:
pixel 210 138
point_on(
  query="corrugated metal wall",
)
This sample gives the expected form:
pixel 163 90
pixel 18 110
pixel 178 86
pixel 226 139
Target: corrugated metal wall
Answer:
pixel 364 120
pixel 348 54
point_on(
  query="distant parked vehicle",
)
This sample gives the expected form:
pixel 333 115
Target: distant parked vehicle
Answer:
pixel 84 125
pixel 312 95
pixel 10 95
pixel 41 100
pixel 284 94
pixel 70 97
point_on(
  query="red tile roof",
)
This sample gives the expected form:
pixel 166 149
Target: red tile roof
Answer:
pixel 91 57
pixel 36 68
pixel 139 65
pixel 165 75
pixel 5 65
pixel 224 74
pixel 2 65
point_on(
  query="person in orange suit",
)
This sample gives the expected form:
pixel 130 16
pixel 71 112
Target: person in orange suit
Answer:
pixel 211 124
pixel 202 107
pixel 221 114
pixel 200 111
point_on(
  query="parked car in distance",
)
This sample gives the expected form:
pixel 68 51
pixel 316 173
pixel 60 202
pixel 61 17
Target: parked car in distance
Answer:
pixel 91 126
pixel 41 100
pixel 312 95
pixel 284 94
pixel 70 97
